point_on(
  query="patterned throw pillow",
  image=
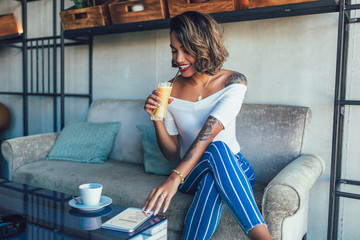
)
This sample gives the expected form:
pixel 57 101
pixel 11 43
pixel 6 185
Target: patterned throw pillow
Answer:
pixel 154 161
pixel 84 142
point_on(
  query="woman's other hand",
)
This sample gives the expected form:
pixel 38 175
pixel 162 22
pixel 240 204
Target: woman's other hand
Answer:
pixel 162 195
pixel 152 102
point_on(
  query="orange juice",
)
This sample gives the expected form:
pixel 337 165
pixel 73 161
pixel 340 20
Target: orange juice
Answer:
pixel 165 90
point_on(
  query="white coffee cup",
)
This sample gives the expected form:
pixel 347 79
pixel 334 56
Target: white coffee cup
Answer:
pixel 90 193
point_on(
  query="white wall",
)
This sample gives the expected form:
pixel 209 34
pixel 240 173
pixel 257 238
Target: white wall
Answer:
pixel 286 60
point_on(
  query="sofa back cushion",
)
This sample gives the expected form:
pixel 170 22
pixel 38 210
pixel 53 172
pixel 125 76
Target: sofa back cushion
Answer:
pixel 84 142
pixel 127 145
pixel 270 136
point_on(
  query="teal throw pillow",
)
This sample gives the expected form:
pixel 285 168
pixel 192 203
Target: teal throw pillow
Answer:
pixel 84 142
pixel 154 160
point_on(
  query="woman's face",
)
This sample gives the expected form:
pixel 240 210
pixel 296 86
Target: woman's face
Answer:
pixel 181 57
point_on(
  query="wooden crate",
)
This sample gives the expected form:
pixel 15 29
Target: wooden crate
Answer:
pixel 8 25
pixel 97 16
pixel 125 11
pixel 179 6
pixel 267 3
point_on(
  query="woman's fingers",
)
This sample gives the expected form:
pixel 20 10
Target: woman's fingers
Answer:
pixel 152 102
pixel 148 199
pixel 161 195
pixel 160 201
pixel 155 200
pixel 152 202
pixel 166 204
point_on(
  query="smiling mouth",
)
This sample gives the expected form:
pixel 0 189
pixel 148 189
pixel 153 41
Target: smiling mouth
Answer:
pixel 184 68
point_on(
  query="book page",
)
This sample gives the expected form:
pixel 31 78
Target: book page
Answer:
pixel 129 218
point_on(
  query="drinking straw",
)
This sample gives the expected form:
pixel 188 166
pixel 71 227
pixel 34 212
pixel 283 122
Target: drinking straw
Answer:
pixel 175 77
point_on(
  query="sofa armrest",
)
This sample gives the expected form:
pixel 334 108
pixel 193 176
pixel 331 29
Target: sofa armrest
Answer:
pixel 22 150
pixel 288 192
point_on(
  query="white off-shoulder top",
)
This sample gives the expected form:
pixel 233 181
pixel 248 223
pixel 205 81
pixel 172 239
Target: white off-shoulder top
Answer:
pixel 186 118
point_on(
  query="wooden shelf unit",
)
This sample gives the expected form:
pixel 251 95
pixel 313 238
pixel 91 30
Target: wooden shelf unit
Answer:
pixel 297 9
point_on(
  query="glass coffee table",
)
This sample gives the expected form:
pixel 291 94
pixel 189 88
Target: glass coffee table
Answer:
pixel 49 216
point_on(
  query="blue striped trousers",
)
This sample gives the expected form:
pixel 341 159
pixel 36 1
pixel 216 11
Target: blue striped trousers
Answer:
pixel 219 178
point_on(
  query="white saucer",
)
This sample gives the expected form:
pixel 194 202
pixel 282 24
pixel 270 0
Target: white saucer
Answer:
pixel 104 201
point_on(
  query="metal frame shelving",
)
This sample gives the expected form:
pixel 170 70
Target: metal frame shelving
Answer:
pixel 340 102
pixel 40 66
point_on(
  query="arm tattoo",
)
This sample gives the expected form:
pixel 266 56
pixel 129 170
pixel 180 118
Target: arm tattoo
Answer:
pixel 204 134
pixel 236 78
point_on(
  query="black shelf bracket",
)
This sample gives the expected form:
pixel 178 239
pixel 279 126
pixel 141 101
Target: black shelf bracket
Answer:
pixel 340 101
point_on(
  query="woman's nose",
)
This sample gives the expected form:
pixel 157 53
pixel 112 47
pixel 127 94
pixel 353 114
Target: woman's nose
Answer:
pixel 179 57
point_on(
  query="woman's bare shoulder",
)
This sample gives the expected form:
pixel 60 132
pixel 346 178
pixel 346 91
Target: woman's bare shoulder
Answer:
pixel 233 77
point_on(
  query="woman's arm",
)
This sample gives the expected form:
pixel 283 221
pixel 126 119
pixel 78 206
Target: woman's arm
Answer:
pixel 168 144
pixel 165 192
pixel 206 135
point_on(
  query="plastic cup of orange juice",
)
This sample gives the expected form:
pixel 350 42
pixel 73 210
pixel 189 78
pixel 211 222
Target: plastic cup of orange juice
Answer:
pixel 160 112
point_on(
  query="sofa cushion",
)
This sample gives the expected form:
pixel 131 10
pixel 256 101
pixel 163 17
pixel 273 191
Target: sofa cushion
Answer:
pixel 127 146
pixel 154 160
pixel 84 142
pixel 271 136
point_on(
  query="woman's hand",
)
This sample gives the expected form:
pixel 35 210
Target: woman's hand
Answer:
pixel 162 195
pixel 152 102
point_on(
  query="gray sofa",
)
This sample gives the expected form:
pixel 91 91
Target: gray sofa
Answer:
pixel 271 137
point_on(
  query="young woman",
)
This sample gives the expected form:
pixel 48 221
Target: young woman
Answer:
pixel 200 126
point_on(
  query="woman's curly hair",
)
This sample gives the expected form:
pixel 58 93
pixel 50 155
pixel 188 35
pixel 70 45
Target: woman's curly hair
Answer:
pixel 201 36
